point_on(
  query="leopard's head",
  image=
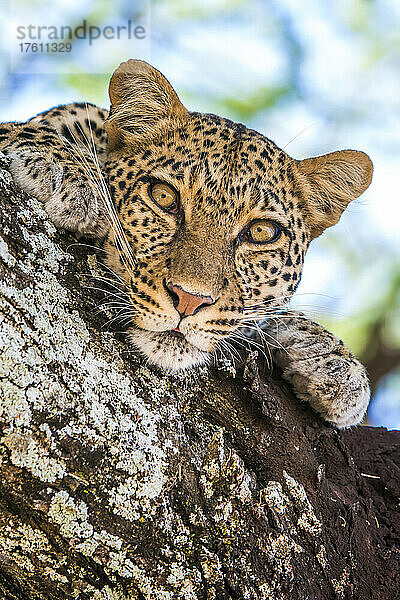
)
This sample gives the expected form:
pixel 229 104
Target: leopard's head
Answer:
pixel 216 218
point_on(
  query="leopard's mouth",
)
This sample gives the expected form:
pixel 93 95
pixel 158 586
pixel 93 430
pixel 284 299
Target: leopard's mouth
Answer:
pixel 169 350
pixel 176 333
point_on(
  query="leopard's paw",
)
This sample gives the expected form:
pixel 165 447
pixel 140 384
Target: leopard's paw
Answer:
pixel 72 200
pixel 321 369
pixel 77 206
pixel 35 174
pixel 336 387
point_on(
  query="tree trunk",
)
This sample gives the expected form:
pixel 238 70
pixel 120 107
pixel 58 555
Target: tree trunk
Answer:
pixel 118 482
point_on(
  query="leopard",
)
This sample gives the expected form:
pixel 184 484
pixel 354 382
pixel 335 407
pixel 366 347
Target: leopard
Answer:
pixel 204 223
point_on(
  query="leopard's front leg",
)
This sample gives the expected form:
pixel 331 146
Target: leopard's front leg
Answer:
pixel 64 177
pixel 320 368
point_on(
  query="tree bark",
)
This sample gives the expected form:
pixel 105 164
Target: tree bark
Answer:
pixel 119 482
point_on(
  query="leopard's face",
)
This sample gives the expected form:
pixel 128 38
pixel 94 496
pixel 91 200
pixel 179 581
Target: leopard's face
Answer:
pixel 211 211
pixel 215 215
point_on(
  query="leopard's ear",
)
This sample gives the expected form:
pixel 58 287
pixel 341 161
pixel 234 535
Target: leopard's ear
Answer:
pixel 330 182
pixel 143 104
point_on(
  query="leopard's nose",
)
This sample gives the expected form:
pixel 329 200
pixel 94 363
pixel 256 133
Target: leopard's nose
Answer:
pixel 187 303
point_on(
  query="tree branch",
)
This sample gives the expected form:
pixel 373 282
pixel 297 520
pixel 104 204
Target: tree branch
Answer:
pixel 118 482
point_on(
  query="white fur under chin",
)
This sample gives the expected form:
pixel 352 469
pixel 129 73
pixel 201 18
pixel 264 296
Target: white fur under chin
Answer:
pixel 166 350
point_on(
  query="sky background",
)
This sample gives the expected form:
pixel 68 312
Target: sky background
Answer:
pixel 313 76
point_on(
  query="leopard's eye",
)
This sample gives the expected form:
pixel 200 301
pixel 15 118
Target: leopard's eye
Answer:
pixel 263 232
pixel 165 196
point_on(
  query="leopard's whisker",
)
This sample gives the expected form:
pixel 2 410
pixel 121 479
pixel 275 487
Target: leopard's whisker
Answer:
pixel 271 341
pixel 287 298
pixel 116 319
pixel 109 204
pixel 98 248
pixel 113 273
pixel 122 295
pixel 114 305
pixel 108 283
pixel 100 185
pixel 215 354
pixel 297 135
pixel 229 348
pixel 246 343
pixel 260 348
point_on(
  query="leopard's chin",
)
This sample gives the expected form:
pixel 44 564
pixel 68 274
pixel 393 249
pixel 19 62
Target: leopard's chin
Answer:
pixel 168 350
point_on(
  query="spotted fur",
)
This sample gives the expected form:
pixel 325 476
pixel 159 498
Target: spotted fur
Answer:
pixel 226 177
